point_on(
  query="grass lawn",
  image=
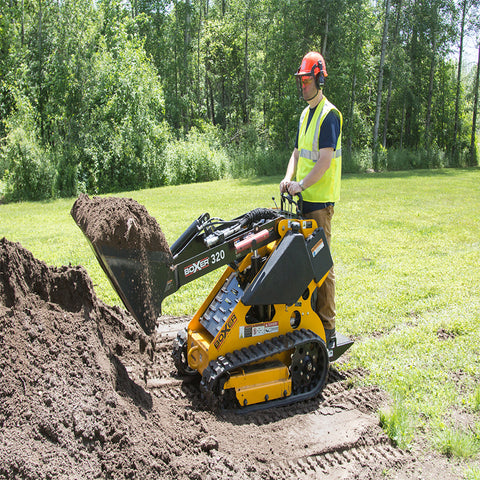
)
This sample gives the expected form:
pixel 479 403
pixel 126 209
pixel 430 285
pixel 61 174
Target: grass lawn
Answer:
pixel 406 247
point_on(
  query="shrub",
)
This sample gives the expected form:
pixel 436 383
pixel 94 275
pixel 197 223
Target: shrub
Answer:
pixel 195 159
pixel 251 152
pixel 30 173
pixel 356 161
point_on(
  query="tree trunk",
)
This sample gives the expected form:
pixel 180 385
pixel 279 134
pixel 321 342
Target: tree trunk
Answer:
pixel 245 66
pixel 352 107
pixel 430 90
pixel 380 86
pixel 455 152
pixel 325 37
pixel 393 69
pixel 40 71
pixel 188 25
pixel 404 110
pixel 473 149
pixel 353 94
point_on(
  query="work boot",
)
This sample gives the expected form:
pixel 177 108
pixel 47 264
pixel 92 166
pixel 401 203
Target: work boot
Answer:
pixel 330 337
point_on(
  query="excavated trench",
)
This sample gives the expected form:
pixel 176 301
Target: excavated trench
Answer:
pixel 84 393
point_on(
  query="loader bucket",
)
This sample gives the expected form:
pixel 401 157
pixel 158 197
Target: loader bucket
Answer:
pixel 140 280
pixel 132 251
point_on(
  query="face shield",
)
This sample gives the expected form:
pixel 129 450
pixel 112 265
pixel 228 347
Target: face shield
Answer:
pixel 304 85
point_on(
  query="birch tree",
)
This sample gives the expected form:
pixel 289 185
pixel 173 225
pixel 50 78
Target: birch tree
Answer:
pixel 473 161
pixel 380 85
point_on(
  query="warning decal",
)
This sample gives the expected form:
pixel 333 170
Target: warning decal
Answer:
pixel 258 329
pixel 317 247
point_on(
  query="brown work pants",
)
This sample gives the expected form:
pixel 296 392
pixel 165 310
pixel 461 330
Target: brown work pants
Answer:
pixel 326 292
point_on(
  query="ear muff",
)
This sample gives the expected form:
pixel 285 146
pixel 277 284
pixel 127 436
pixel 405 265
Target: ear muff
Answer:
pixel 319 77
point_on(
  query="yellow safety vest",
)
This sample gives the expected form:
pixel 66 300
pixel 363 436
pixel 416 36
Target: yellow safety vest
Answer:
pixel 327 189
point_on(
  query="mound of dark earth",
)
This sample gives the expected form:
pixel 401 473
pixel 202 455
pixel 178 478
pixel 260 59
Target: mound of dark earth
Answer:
pixel 67 404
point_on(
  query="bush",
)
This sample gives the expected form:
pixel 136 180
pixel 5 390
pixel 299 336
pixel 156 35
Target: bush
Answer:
pixel 393 159
pixel 195 159
pixel 256 162
pixel 30 173
pixel 356 161
pixel 251 153
pixel 401 159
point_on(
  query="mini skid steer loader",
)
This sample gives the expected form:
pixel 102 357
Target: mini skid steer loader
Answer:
pixel 256 341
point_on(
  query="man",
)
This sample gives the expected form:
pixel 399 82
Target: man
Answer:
pixel 316 164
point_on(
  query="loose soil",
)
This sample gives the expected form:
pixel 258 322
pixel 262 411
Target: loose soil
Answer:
pixel 119 222
pixel 85 394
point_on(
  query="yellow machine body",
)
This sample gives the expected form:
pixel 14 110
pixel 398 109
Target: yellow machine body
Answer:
pixel 256 339
pixel 260 384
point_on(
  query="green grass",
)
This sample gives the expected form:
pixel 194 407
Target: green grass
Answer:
pixel 457 443
pixel 476 400
pixel 49 232
pixel 397 424
pixel 472 473
pixel 406 247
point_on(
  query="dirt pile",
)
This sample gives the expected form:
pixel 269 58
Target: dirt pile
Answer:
pixel 84 393
pixel 67 403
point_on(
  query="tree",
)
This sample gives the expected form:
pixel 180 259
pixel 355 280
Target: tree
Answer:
pixel 380 85
pixel 473 161
pixel 87 86
pixel 455 151
pixel 394 68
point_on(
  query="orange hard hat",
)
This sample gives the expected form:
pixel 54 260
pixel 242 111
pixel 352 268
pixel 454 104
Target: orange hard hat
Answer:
pixel 313 65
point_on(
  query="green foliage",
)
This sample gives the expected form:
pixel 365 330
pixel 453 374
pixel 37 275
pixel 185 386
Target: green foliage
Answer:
pixel 404 159
pixel 357 161
pixel 251 154
pixel 198 158
pixel 111 82
pixel 397 424
pixel 124 133
pixel 454 442
pixel 251 162
pixel 29 172
pixel 96 118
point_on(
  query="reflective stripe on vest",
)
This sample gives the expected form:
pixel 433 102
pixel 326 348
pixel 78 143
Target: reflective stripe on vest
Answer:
pixel 327 189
